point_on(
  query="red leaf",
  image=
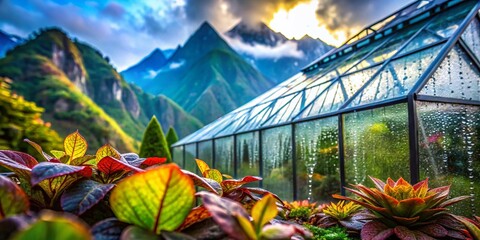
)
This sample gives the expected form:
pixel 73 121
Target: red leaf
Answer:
pixel 196 215
pixel 376 230
pixel 209 184
pixel 224 212
pixel 434 230
pixel 231 184
pixel 18 162
pixel 405 233
pixel 109 165
pixel 153 161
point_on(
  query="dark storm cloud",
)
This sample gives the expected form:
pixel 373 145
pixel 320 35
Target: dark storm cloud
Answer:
pixel 344 14
pixel 114 10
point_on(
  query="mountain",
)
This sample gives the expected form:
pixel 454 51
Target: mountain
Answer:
pixel 7 42
pixel 79 89
pixel 207 77
pixel 146 68
pixel 277 57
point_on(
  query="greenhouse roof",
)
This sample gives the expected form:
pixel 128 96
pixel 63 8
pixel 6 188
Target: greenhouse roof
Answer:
pixel 385 63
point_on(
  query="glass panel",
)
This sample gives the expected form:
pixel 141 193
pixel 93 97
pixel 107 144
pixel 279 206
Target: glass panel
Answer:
pixel 471 36
pixel 277 161
pixel 257 116
pixel 205 152
pixel 240 121
pixel 390 48
pixel 248 161
pixel 449 148
pixel 447 22
pixel 318 166
pixel 355 81
pixel 376 144
pixel 397 78
pixel 178 155
pixel 283 114
pixel 224 155
pixel 423 39
pixel 190 155
pixel 456 77
pixel 358 56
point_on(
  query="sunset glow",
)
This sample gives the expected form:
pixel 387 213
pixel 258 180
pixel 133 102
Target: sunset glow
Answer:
pixel 301 20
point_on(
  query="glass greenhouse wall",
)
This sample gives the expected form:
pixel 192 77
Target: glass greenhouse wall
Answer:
pixel 399 99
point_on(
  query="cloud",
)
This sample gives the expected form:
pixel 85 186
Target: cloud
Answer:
pixel 259 10
pixel 347 14
pixel 285 49
pixel 114 10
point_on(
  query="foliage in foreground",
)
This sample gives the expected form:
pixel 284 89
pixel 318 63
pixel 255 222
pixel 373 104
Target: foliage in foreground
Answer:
pixel 147 198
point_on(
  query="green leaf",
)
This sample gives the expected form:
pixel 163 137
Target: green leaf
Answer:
pixel 55 226
pixel 157 199
pixel 85 160
pixel 214 174
pixel 263 211
pixel 75 145
pixel 107 150
pixel 84 195
pixel 12 198
pixel 57 154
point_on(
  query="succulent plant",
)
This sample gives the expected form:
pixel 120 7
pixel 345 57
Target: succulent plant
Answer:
pixel 345 214
pixel 406 211
pixel 300 210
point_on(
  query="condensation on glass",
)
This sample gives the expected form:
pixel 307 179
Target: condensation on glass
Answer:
pixel 248 155
pixel 449 140
pixel 178 155
pixel 224 155
pixel 318 164
pixel 376 144
pixel 277 161
pixel 205 152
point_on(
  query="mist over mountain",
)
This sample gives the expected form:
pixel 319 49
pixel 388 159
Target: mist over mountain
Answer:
pixel 277 57
pixel 8 41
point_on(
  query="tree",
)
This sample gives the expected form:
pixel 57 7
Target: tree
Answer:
pixel 172 137
pixel 154 143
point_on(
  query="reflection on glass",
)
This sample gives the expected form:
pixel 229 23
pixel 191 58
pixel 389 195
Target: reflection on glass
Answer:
pixel 178 156
pixel 397 78
pixel 376 144
pixel 456 77
pixel 248 163
pixel 190 155
pixel 318 170
pixel 277 161
pixel 449 150
pixel 224 155
pixel 205 152
pixel 447 22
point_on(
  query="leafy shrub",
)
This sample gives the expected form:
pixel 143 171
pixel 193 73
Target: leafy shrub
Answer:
pixel 333 233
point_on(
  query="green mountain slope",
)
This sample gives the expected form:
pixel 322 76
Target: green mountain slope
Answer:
pixel 207 77
pixel 218 83
pixel 79 89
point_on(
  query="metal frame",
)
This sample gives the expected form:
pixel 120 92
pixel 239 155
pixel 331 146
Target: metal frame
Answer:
pixel 411 98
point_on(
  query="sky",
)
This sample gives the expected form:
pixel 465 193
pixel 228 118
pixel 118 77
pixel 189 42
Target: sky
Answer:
pixel 128 30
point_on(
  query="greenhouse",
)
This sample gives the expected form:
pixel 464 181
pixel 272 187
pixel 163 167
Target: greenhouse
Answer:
pixel 399 99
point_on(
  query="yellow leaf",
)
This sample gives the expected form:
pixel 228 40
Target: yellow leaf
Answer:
pixel 247 227
pixel 203 166
pixel 214 174
pixel 75 145
pixel 263 211
pixel 106 150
